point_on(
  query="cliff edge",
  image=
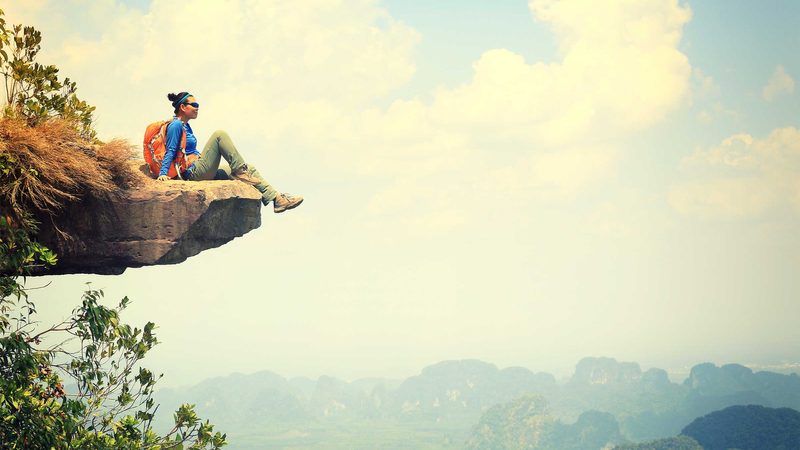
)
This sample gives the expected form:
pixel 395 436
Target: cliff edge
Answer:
pixel 152 223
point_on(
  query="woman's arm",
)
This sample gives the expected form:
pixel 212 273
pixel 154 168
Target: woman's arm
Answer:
pixel 174 134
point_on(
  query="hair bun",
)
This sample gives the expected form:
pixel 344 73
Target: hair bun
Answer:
pixel 172 97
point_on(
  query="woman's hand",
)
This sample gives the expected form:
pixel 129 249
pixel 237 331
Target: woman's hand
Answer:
pixel 163 178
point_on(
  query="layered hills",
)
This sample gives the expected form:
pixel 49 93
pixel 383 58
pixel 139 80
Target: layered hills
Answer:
pixel 448 402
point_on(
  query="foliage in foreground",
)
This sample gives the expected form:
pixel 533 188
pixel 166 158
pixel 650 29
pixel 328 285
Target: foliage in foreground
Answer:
pixel 111 406
pixel 107 403
pixel 34 91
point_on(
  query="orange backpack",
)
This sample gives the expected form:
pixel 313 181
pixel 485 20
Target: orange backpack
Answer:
pixel 155 140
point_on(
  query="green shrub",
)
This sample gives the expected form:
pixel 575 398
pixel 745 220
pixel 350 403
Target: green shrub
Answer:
pixel 33 90
pixel 111 404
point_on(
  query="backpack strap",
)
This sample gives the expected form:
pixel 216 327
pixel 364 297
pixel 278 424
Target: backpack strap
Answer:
pixel 183 139
pixel 182 149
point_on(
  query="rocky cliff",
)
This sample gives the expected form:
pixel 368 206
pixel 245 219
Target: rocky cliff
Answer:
pixel 153 223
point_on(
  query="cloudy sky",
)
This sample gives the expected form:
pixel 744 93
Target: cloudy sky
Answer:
pixel 523 183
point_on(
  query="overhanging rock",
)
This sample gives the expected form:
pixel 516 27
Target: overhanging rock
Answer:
pixel 155 223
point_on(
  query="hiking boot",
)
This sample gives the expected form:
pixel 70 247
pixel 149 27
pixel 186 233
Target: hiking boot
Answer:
pixel 284 202
pixel 244 174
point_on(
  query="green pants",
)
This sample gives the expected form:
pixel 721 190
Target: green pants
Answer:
pixel 220 146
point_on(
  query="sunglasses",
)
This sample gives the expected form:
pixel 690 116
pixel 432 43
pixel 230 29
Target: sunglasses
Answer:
pixel 195 104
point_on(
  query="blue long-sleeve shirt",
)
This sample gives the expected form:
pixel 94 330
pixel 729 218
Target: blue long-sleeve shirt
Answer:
pixel 174 131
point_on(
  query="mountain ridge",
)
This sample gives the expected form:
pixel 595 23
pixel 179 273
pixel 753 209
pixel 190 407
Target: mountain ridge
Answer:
pixel 645 404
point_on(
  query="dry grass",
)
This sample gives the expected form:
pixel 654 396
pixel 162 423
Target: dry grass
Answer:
pixel 52 165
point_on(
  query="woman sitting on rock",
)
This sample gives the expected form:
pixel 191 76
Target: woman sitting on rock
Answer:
pixel 206 167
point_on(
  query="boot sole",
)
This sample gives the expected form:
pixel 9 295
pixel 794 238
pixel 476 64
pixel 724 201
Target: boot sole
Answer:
pixel 288 207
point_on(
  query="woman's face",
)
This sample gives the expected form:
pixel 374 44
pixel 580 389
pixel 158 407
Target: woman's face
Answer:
pixel 189 110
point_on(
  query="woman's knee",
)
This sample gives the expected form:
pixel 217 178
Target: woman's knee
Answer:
pixel 220 134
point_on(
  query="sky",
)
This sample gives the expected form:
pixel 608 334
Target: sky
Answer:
pixel 522 183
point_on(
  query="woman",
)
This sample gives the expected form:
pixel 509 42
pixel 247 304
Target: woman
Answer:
pixel 206 167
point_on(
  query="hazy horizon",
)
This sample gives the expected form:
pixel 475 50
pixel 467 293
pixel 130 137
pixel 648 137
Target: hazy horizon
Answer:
pixel 676 375
pixel 521 183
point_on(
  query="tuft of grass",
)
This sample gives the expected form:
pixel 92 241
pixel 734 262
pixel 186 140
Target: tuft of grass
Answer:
pixel 44 167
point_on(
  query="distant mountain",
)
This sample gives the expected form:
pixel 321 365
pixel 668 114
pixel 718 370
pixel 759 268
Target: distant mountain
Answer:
pixel 648 406
pixel 748 427
pixel 235 399
pixel 606 371
pixel 333 397
pixel 740 385
pixel 448 398
pixel 304 385
pixel 526 424
pixel 465 387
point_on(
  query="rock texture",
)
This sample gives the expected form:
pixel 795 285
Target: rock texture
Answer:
pixel 155 223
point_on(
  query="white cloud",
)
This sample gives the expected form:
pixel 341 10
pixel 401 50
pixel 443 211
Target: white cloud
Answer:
pixel 631 214
pixel 704 91
pixel 554 176
pixel 560 124
pixel 703 85
pixel 253 61
pixel 718 110
pixel 779 83
pixel 619 71
pixel 743 177
pixel 307 76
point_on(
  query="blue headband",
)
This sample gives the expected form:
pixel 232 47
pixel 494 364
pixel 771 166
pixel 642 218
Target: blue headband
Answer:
pixel 176 104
